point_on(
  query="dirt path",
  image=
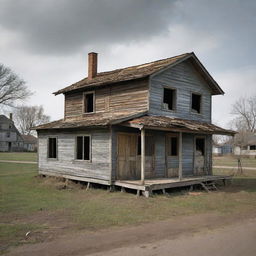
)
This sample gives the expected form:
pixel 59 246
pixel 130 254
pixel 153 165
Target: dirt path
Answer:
pixel 232 167
pixel 148 239
pixel 17 162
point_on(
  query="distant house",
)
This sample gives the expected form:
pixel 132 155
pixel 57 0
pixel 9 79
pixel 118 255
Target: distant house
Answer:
pixel 30 143
pixel 10 138
pixel 222 149
pixel 249 147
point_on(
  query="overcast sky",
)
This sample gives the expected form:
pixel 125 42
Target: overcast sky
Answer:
pixel 46 42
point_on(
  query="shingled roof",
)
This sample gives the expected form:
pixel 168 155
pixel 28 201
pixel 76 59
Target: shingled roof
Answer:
pixel 140 71
pixel 138 120
pixel 176 124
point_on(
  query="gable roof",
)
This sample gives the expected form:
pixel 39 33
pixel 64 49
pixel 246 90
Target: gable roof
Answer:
pixel 141 71
pixel 29 139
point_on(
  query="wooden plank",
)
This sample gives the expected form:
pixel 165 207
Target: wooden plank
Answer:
pixel 73 177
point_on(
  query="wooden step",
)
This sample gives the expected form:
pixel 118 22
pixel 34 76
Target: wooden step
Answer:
pixel 209 186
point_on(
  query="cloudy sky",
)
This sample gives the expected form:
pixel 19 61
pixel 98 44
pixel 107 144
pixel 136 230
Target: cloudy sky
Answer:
pixel 46 42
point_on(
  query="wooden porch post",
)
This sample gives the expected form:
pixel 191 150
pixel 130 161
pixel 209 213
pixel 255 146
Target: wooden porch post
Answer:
pixel 142 156
pixel 180 155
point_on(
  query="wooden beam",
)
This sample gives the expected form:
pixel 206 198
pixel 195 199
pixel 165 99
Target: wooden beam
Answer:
pixel 180 156
pixel 142 156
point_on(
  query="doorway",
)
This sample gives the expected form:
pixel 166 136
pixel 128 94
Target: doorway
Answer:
pixel 199 156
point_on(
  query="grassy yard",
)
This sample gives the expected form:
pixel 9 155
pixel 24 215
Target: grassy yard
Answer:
pixel 232 161
pixel 43 207
pixel 18 156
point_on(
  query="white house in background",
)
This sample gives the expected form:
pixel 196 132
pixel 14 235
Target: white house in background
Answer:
pixel 249 149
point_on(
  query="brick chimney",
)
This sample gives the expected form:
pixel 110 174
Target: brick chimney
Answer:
pixel 10 116
pixel 92 64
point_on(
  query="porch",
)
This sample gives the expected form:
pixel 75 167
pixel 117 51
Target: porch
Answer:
pixel 151 185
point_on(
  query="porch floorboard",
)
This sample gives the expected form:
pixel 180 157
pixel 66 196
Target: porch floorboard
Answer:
pixel 163 183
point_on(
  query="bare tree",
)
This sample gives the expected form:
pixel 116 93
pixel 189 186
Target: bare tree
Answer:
pixel 27 117
pixel 245 111
pixel 12 88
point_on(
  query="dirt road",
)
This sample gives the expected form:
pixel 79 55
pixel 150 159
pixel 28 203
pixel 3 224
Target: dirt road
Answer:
pixel 235 240
pixel 205 234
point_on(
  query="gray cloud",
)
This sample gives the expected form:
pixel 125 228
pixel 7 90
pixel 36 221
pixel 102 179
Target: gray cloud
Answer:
pixel 64 26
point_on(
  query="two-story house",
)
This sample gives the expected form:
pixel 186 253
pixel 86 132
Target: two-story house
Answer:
pixel 10 138
pixel 144 127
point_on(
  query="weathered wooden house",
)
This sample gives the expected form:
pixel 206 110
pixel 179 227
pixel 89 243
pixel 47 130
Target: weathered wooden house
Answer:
pixel 144 127
pixel 10 138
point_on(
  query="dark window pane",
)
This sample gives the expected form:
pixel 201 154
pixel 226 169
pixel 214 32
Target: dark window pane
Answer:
pixel 200 146
pixel 196 102
pixel 52 148
pixel 139 146
pixel 253 147
pixel 174 146
pixel 88 103
pixel 79 147
pixel 86 148
pixel 169 98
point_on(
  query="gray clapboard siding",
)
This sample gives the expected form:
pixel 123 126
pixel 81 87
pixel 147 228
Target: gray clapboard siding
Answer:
pixel 98 168
pixel 185 79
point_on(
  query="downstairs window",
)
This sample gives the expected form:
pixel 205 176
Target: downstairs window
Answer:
pixel 52 147
pixel 83 148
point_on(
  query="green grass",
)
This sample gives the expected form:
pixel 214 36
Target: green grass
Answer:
pixel 19 156
pixel 29 203
pixel 232 161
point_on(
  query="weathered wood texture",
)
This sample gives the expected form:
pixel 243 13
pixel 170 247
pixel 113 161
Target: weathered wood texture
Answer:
pixel 98 168
pixel 186 80
pixel 164 166
pixel 128 96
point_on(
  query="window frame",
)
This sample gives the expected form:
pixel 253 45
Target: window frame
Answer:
pixel 201 103
pixel 90 147
pixel 83 105
pixel 169 136
pixel 175 99
pixel 57 152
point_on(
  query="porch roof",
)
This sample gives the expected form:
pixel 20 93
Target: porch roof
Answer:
pixel 176 124
pixel 136 120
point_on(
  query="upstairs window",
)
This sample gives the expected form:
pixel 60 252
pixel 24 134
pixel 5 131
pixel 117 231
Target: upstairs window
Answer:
pixel 196 103
pixel 169 100
pixel 52 148
pixel 83 147
pixel 89 102
pixel 172 146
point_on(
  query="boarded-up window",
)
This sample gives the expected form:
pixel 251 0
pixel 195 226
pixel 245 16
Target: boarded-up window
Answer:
pixel 169 100
pixel 52 147
pixel 196 102
pixel 88 102
pixel 83 147
pixel 172 146
pixel 200 145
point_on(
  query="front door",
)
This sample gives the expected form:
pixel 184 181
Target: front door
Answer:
pixel 129 156
pixel 172 155
pixel 199 156
pixel 126 156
